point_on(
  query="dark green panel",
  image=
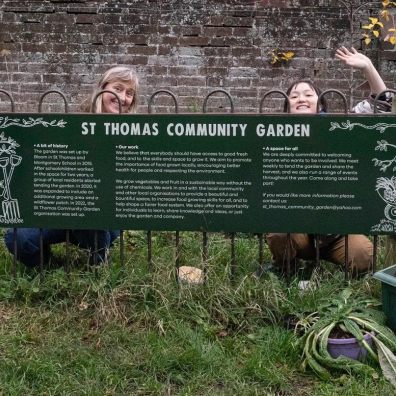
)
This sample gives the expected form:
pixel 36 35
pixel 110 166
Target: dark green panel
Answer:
pixel 249 173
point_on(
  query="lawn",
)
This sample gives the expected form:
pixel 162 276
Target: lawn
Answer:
pixel 131 330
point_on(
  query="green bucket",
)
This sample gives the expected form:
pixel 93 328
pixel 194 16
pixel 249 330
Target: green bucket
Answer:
pixel 387 276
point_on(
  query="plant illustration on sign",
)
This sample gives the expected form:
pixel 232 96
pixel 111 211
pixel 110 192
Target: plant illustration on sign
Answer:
pixel 6 122
pixel 381 127
pixel 9 160
pixel 382 145
pixel 385 186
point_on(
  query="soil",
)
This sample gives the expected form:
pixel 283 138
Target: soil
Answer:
pixel 339 333
pixel 290 321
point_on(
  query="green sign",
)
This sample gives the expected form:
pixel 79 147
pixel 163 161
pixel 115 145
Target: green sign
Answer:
pixel 248 173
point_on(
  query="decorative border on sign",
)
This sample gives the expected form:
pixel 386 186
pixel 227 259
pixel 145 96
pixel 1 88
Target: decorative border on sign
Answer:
pixel 6 122
pixel 348 125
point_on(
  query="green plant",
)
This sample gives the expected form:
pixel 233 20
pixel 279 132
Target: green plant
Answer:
pixel 131 330
pixel 354 316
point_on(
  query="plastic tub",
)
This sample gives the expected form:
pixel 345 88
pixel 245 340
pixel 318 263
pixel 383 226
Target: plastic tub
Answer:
pixel 348 347
pixel 387 276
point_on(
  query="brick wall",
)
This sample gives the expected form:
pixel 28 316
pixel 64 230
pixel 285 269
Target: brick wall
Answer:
pixel 190 47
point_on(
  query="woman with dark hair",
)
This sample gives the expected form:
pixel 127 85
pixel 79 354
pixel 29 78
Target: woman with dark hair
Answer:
pixel 303 96
pixel 311 89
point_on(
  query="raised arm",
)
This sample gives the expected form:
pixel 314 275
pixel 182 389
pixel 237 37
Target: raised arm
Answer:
pixel 357 60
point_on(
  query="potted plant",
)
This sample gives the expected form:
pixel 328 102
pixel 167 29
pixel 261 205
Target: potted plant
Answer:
pixel 351 318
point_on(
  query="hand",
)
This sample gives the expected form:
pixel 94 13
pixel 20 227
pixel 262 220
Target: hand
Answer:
pixel 353 58
pixel 357 60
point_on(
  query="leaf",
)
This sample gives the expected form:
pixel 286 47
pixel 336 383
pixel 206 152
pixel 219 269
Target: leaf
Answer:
pixel 5 52
pixel 369 27
pixel 273 56
pixel 392 40
pixel 317 368
pixel 382 332
pixel 387 361
pixel 367 40
pixel 287 55
pixel 385 15
pixel 376 33
pixel 345 294
pixel 373 20
pixel 357 332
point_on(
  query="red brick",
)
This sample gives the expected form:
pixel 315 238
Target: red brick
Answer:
pixel 188 50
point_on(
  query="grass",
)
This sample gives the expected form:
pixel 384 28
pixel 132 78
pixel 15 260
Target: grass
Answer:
pixel 134 331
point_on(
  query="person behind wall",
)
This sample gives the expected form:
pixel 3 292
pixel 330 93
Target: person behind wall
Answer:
pixel 303 98
pixel 124 82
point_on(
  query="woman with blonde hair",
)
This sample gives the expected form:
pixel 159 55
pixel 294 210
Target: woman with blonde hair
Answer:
pixel 120 85
pixel 123 81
